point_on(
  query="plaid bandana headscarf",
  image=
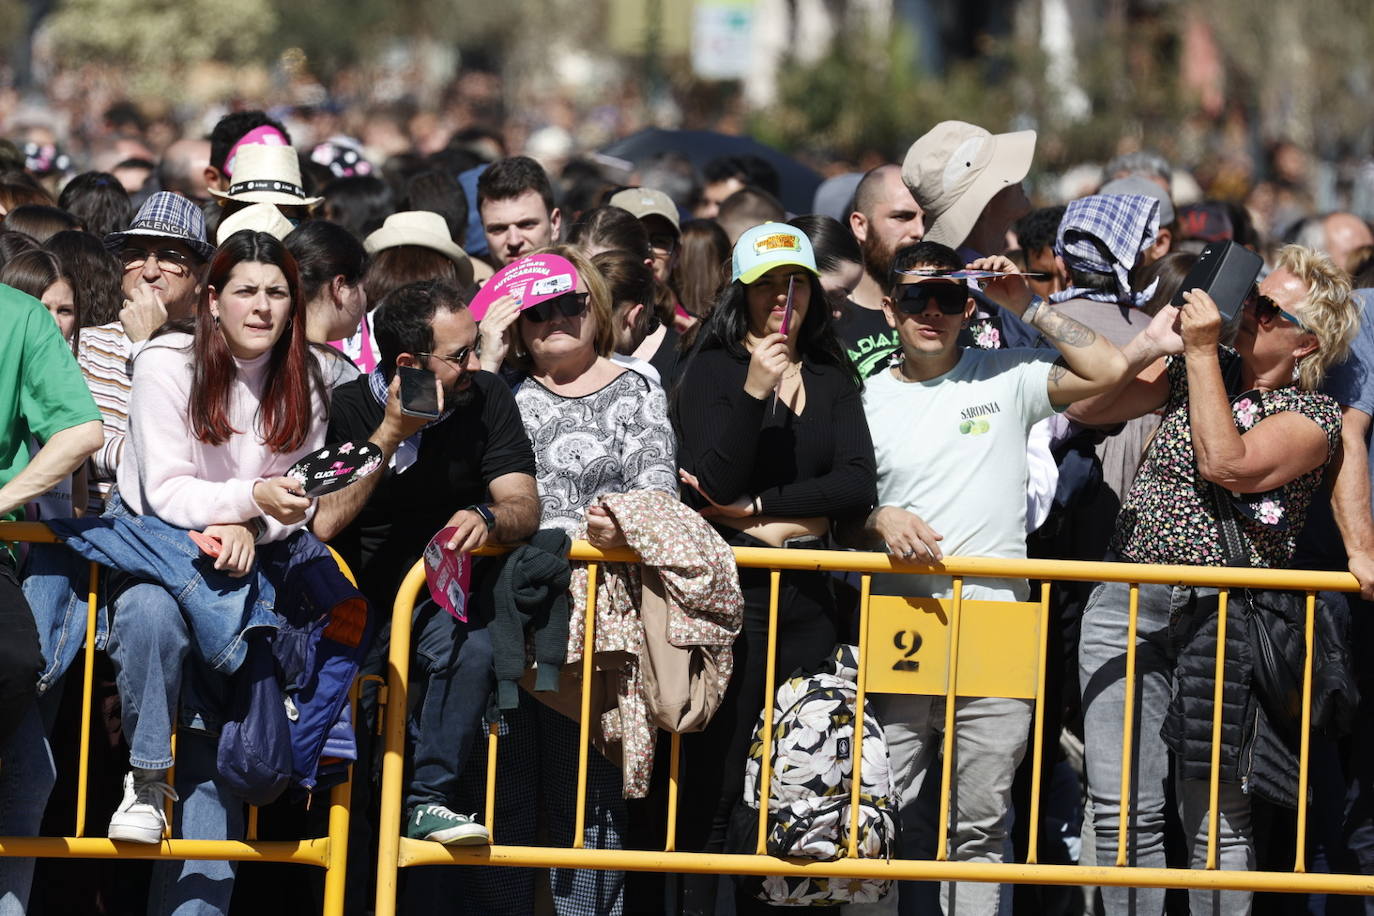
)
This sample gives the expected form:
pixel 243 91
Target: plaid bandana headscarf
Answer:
pixel 1105 234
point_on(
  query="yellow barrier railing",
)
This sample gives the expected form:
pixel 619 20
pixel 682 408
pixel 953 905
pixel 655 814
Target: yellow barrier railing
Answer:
pixel 960 623
pixel 329 852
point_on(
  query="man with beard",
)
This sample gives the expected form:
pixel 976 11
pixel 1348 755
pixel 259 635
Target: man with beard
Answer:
pixel 474 458
pixel 884 218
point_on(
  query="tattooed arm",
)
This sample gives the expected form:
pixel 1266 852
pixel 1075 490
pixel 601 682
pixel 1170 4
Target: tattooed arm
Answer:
pixel 1089 363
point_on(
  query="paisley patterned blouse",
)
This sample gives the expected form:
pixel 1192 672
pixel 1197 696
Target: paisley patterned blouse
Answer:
pixel 614 440
pixel 1169 516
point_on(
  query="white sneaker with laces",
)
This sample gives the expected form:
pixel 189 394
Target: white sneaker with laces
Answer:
pixel 139 817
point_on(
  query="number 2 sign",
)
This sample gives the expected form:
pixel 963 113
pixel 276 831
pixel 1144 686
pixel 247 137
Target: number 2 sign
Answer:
pixel 906 647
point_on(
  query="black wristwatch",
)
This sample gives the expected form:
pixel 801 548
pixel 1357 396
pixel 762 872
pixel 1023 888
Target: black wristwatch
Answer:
pixel 484 510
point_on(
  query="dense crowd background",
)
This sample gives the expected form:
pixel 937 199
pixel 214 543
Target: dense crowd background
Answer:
pixel 392 214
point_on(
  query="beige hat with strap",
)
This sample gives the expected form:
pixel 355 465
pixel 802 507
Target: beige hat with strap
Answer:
pixel 956 168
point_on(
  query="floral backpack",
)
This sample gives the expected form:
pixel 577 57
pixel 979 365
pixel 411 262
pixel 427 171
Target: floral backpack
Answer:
pixel 809 798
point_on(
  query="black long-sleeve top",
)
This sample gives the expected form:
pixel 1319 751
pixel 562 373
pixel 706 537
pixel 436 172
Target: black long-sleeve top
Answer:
pixel 817 464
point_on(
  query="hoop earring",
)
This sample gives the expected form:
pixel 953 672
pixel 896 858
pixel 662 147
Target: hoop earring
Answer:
pixel 215 318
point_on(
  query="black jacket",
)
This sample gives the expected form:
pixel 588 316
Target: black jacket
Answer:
pixel 1259 730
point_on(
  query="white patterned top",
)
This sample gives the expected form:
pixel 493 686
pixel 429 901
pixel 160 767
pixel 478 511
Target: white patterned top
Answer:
pixel 614 440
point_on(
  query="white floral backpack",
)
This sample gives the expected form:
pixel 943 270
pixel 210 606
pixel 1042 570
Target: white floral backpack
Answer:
pixel 809 799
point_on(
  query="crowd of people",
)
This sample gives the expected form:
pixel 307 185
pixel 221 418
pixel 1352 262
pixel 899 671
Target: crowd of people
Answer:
pixel 695 368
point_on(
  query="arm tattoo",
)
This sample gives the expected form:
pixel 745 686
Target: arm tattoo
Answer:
pixel 1058 370
pixel 1062 329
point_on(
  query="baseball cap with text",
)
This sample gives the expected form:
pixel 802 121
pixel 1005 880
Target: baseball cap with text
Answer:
pixel 956 168
pixel 770 245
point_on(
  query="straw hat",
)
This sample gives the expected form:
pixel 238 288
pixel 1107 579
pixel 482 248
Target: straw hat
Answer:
pixel 267 175
pixel 425 229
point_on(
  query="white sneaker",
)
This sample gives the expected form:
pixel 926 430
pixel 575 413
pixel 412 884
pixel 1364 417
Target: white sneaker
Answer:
pixel 139 817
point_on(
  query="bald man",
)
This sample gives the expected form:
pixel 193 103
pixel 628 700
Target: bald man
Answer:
pixel 885 218
pixel 1345 233
pixel 182 169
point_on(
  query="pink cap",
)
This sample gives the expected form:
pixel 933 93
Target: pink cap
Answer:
pixel 529 280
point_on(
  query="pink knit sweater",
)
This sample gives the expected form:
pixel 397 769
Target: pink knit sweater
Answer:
pixel 169 473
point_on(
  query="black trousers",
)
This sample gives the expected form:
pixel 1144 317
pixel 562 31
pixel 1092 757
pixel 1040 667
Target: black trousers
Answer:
pixel 713 765
pixel 20 659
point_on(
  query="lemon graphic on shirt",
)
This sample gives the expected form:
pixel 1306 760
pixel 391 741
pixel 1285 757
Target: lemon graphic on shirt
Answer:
pixel 974 427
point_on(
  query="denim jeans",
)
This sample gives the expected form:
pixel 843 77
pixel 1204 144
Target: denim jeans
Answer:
pixel 1102 678
pixel 452 678
pixel 207 811
pixel 26 780
pixel 149 641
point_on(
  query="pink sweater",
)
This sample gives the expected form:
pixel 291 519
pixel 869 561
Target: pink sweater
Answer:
pixel 169 473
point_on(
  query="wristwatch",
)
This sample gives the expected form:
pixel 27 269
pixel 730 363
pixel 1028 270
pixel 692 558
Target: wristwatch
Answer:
pixel 484 510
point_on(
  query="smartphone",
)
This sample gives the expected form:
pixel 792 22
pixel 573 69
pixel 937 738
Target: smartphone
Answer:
pixel 1227 272
pixel 419 397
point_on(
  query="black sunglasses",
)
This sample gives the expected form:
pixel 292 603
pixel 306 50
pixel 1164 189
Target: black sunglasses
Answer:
pixel 1266 310
pixel 949 298
pixel 569 305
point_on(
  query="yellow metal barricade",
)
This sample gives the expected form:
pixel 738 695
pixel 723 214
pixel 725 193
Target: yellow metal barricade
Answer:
pixel 329 852
pixel 951 648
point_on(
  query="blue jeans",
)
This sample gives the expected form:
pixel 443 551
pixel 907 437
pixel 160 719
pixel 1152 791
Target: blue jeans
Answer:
pixel 207 811
pixel 1102 678
pixel 26 780
pixel 149 641
pixel 452 678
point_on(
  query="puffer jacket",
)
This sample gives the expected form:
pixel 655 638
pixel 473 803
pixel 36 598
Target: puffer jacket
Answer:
pixel 1259 743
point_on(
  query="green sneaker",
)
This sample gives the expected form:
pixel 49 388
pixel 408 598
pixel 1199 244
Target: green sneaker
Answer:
pixel 437 823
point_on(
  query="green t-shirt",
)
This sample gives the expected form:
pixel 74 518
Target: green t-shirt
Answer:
pixel 42 391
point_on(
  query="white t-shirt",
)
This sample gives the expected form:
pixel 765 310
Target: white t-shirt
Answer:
pixel 953 451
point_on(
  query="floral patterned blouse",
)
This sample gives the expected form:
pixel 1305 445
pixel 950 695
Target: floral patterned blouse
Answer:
pixel 1169 515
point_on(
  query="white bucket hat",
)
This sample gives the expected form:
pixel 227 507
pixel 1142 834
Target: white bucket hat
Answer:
pixel 956 168
pixel 258 217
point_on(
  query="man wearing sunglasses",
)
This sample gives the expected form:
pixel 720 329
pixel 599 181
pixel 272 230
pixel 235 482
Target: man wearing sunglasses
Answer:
pixel 471 469
pixel 163 253
pixel 949 427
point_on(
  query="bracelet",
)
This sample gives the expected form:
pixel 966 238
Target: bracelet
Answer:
pixel 1028 316
pixel 756 507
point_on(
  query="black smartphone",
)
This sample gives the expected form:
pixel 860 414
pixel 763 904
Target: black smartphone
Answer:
pixel 419 397
pixel 1227 272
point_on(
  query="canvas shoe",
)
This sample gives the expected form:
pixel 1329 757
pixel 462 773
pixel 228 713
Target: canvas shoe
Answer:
pixel 139 817
pixel 437 823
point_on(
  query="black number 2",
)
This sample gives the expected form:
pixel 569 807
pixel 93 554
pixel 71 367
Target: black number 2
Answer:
pixel 907 662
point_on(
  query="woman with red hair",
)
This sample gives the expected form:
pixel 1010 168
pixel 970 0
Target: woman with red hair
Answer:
pixel 221 407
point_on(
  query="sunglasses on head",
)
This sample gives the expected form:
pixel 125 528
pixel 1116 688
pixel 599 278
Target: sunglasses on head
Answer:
pixel 949 298
pixel 569 305
pixel 1267 310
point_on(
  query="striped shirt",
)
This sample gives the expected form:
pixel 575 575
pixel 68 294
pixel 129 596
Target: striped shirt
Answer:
pixel 104 354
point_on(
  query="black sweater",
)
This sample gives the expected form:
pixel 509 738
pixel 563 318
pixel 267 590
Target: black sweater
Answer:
pixel 817 464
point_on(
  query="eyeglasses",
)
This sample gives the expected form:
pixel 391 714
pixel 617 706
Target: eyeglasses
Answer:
pixel 169 260
pixel 458 360
pixel 1266 310
pixel 569 305
pixel 663 241
pixel 949 298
